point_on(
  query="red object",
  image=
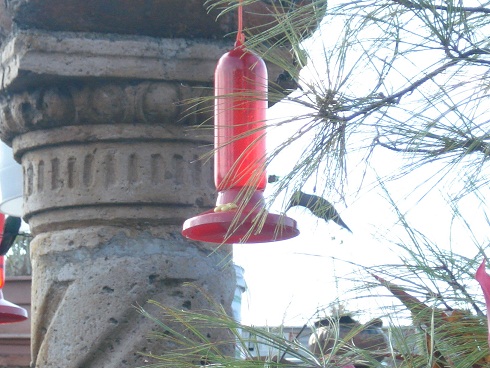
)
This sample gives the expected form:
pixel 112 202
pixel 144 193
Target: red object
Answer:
pixel 9 312
pixel 2 222
pixel 2 258
pixel 239 225
pixel 2 272
pixel 240 85
pixel 240 157
pixel 483 279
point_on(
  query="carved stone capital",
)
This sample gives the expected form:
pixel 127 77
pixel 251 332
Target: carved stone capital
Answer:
pixel 93 103
pixel 37 57
pixel 124 174
pixel 109 149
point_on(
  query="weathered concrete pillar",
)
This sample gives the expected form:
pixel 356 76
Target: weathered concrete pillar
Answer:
pixel 91 103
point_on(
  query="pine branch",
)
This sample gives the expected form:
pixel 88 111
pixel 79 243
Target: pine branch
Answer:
pixel 470 145
pixel 469 9
pixel 396 97
pixel 453 281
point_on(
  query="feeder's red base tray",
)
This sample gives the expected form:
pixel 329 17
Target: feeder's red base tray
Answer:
pixel 11 313
pixel 228 228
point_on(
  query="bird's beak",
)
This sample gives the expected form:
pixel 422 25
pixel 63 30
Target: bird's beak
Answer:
pixel 483 279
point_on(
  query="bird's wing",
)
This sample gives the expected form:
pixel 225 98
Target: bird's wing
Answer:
pixel 318 206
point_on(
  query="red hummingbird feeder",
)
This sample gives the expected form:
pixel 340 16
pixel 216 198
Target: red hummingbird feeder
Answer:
pixel 240 85
pixel 9 312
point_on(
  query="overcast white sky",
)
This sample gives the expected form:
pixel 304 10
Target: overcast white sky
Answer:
pixel 290 281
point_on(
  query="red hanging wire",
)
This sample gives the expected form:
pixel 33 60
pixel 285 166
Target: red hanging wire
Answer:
pixel 240 37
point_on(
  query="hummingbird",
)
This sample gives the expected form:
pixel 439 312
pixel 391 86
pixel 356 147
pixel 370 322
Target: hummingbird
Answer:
pixel 318 206
pixel 10 232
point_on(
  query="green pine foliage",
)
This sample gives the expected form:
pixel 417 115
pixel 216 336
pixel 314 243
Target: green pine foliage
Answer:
pixel 405 77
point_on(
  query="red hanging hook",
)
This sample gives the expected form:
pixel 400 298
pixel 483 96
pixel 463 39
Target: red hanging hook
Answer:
pixel 240 37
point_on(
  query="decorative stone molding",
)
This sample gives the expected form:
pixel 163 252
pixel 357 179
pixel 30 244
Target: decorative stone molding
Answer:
pixel 72 103
pixel 113 172
pixel 33 56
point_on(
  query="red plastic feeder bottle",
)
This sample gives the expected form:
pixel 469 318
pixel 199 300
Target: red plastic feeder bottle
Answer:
pixel 240 86
pixel 240 156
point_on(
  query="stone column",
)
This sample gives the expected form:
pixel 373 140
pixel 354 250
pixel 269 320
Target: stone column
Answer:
pixel 91 103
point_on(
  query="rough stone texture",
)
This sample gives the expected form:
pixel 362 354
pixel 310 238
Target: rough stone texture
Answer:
pixel 158 18
pixel 37 56
pixel 111 165
pixel 89 281
pixel 155 18
pixel 140 103
pixel 108 182
pixel 91 100
pixel 107 174
pixel 111 171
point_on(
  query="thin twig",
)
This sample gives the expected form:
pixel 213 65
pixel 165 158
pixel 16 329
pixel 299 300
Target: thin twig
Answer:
pixel 470 144
pixel 457 286
pixel 469 9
